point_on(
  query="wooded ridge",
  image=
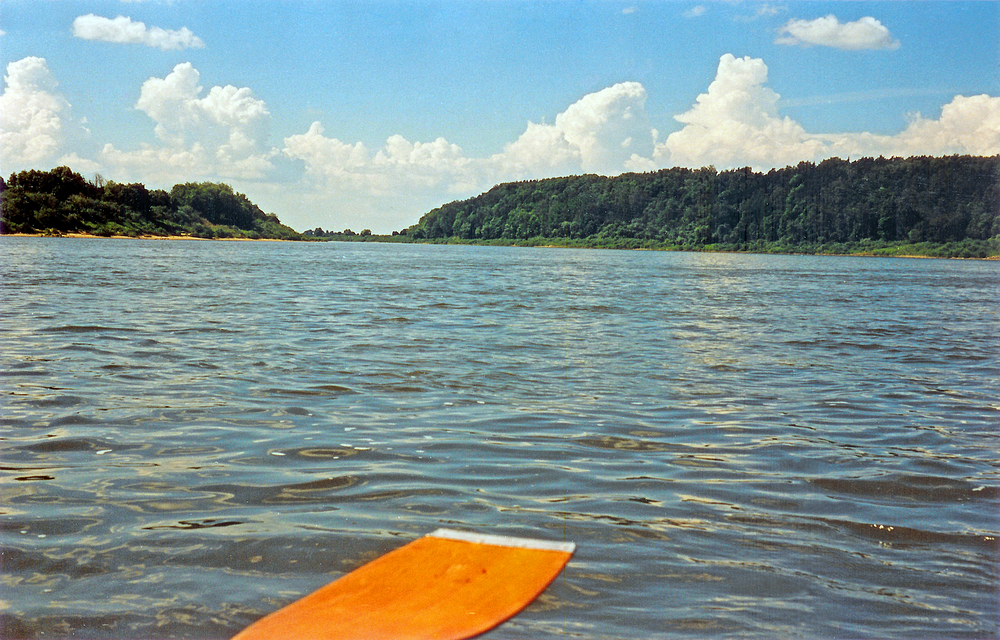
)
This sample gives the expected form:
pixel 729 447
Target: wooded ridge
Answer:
pixel 947 204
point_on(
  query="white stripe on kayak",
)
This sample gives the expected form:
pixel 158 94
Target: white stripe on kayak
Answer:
pixel 504 541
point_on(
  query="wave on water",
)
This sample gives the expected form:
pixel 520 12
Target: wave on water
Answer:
pixel 751 446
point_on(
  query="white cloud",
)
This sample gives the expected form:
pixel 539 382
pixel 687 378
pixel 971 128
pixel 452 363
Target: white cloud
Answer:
pixel 542 151
pixel 764 10
pixel 78 164
pixel 33 116
pixel 608 127
pixel 767 9
pixel 400 165
pixel 968 125
pixel 221 134
pixel 695 11
pixel 866 33
pixel 158 165
pixel 600 133
pixel 123 30
pixel 350 169
pixel 347 181
pixel 227 117
pixel 604 132
pixel 736 123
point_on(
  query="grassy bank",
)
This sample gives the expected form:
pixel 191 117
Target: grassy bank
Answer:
pixel 972 249
pixel 963 249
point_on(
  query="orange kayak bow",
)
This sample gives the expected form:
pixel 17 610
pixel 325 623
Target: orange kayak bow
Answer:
pixel 446 585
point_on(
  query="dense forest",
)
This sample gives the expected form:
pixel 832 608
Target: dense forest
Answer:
pixel 61 201
pixel 934 206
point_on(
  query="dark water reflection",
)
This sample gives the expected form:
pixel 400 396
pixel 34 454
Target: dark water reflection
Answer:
pixel 196 433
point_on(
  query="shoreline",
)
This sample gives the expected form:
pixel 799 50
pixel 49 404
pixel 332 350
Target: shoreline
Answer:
pixel 141 237
pixel 543 246
pixel 863 254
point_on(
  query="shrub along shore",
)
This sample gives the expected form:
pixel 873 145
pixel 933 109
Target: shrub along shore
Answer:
pixel 976 249
pixel 968 249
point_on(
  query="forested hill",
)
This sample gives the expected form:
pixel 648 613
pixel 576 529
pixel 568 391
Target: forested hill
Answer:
pixel 61 201
pixel 808 206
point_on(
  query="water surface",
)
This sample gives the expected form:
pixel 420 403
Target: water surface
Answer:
pixel 196 433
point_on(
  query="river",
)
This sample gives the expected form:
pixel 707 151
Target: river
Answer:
pixel 196 433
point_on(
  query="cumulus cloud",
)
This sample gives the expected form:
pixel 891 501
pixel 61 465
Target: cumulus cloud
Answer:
pixel 33 115
pixel 968 125
pixel 603 132
pixel 695 11
pixel 866 33
pixel 736 123
pixel 123 30
pixel 542 151
pixel 223 133
pixel 400 165
pixel 325 155
pixel 78 163
pixel 399 178
pixel 608 127
pixel 174 104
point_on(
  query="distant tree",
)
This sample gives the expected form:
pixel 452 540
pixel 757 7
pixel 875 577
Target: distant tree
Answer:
pixel 61 201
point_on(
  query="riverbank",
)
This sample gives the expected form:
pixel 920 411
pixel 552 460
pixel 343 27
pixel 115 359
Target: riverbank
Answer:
pixel 967 249
pixel 136 237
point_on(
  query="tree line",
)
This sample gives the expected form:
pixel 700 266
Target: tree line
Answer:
pixel 62 201
pixel 834 206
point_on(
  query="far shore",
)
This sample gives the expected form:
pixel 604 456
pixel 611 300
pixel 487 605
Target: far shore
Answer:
pixel 141 237
pixel 832 255
pixel 542 246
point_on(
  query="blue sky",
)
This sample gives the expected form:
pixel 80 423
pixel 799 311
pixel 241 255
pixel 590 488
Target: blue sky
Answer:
pixel 368 114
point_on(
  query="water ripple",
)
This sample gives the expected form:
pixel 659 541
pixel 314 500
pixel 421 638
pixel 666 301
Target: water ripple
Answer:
pixel 752 446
